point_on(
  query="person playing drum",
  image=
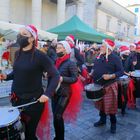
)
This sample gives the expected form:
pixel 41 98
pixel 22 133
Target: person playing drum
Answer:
pixel 124 80
pixel 27 73
pixel 107 67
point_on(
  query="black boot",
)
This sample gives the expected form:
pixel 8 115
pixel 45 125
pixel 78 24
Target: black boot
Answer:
pixel 102 120
pixel 113 121
pixel 99 123
pixel 113 128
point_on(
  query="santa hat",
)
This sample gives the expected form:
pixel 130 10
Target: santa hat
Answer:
pixel 123 50
pixel 66 46
pixel 132 44
pixel 32 29
pixel 138 45
pixel 71 38
pixel 109 45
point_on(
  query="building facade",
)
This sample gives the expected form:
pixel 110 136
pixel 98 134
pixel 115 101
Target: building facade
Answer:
pixel 104 15
pixel 135 8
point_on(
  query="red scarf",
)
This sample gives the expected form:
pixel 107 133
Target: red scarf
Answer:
pixel 60 60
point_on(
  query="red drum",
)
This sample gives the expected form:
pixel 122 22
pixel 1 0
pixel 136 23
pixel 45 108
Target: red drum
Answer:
pixel 94 92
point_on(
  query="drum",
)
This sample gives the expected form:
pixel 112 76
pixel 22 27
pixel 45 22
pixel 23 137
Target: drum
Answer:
pixel 10 125
pixel 124 80
pixel 94 91
pixel 122 91
pixel 136 76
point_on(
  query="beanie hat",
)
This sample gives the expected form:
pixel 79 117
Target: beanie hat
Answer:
pixel 66 46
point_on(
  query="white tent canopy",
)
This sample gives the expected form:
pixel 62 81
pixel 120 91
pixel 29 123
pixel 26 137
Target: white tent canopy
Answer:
pixel 10 31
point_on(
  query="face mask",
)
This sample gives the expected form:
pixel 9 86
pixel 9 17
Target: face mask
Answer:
pixel 60 54
pixel 125 56
pixel 22 41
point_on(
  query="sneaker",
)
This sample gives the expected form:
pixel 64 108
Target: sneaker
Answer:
pixel 113 128
pixel 99 123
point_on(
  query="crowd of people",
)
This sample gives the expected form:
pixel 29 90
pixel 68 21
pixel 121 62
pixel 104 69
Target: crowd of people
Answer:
pixel 68 71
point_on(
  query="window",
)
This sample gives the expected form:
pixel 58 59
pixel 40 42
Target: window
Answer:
pixel 135 32
pixel 128 29
pixel 119 25
pixel 108 19
pixel 136 10
pixel 136 20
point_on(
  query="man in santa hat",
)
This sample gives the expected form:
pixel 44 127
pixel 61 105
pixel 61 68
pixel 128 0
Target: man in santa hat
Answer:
pixel 107 68
pixel 75 53
pixel 124 53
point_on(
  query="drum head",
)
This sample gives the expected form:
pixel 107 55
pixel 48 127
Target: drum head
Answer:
pixel 136 73
pixel 8 116
pixel 93 87
pixel 124 77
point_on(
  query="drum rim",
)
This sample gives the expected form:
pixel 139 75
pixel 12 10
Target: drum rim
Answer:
pixel 95 100
pixel 11 122
pixel 100 87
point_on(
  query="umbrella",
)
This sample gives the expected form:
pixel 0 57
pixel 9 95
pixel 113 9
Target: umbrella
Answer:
pixel 10 31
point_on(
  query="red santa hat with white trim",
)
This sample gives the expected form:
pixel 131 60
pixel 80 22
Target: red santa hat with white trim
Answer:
pixel 123 50
pixel 138 45
pixel 109 46
pixel 66 46
pixel 33 30
pixel 71 38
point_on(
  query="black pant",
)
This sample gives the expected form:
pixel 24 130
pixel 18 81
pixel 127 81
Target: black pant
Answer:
pixel 103 117
pixel 59 104
pixel 30 117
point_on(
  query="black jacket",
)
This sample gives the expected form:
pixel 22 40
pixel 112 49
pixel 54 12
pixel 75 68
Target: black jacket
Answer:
pixel 69 71
pixel 27 75
pixel 52 54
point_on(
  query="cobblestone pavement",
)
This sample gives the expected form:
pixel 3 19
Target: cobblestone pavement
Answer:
pixel 128 127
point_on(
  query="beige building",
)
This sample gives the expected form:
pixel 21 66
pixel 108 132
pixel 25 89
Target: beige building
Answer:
pixel 135 8
pixel 104 15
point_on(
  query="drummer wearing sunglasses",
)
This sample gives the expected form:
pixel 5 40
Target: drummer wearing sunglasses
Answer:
pixel 27 73
pixel 107 67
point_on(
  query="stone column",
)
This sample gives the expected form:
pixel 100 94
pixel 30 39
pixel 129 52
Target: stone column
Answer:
pixel 80 8
pixel 5 10
pixel 37 12
pixel 61 7
pixel 90 13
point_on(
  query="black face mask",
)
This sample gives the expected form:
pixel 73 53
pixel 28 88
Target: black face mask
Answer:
pixel 60 54
pixel 125 56
pixel 22 41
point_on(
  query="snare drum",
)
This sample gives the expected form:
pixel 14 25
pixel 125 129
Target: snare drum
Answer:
pixel 136 76
pixel 10 125
pixel 94 91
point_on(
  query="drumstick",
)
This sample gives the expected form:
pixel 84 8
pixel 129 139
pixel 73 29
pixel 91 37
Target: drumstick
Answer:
pixel 23 105
pixel 99 79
